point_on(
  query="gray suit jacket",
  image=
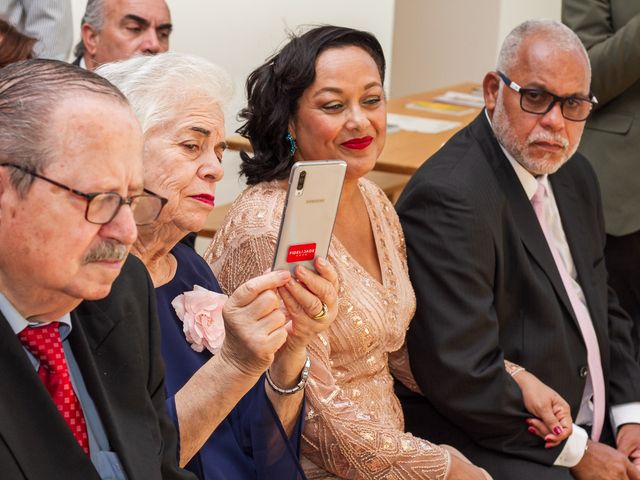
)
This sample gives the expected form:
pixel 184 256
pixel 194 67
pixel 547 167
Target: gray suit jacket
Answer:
pixel 610 30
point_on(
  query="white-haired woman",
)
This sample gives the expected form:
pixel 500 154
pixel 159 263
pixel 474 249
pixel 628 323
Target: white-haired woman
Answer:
pixel 234 421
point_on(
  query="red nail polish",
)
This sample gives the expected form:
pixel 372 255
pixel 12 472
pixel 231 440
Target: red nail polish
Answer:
pixel 557 430
pixel 531 430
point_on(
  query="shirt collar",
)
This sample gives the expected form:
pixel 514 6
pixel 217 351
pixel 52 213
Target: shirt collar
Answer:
pixel 82 63
pixel 19 323
pixel 528 181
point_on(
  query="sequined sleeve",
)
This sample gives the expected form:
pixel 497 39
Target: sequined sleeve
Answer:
pixel 401 369
pixel 350 442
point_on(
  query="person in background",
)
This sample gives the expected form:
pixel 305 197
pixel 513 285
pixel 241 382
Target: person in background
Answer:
pixel 234 421
pixel 115 30
pixel 322 97
pixel 14 46
pixel 505 241
pixel 80 368
pixel 610 31
pixel 48 21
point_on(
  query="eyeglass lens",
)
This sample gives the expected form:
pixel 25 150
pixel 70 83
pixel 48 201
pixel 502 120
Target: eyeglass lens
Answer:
pixel 539 101
pixel 105 206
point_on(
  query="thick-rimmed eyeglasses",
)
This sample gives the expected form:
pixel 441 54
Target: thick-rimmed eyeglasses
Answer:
pixel 540 102
pixel 102 207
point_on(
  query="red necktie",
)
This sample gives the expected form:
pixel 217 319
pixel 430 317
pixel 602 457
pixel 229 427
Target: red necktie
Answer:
pixel 584 321
pixel 46 345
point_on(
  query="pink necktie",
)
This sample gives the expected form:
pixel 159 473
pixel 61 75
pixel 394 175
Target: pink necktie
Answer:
pixel 46 345
pixel 584 320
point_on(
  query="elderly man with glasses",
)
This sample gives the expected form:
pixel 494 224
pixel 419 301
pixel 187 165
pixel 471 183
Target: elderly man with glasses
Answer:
pixel 80 369
pixel 505 241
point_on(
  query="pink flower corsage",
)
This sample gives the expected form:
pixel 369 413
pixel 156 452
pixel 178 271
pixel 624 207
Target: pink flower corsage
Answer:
pixel 201 313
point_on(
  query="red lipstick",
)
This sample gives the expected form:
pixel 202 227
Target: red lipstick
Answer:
pixel 358 143
pixel 204 198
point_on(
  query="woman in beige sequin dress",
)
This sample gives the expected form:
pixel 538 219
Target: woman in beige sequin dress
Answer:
pixel 354 425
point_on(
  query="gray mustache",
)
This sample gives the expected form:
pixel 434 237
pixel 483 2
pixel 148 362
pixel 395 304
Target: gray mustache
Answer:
pixel 109 251
pixel 549 137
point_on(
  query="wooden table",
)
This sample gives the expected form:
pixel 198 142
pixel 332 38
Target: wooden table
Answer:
pixel 405 151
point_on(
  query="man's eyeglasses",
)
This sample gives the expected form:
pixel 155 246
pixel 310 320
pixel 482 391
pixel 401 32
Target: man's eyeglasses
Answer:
pixel 540 102
pixel 102 207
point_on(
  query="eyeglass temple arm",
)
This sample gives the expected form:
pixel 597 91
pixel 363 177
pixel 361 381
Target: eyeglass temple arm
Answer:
pixel 508 82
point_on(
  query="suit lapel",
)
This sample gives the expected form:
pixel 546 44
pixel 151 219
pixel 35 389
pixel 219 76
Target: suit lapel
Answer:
pixel 30 423
pixel 523 214
pixel 91 329
pixel 98 344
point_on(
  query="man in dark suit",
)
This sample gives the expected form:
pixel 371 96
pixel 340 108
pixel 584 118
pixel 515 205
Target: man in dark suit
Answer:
pixel 497 276
pixel 81 378
pixel 610 31
pixel 115 30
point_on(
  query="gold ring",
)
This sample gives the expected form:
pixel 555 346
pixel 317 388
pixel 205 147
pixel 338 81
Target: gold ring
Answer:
pixel 322 313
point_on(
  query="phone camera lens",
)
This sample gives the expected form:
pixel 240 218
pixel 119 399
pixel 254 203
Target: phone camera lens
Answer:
pixel 303 175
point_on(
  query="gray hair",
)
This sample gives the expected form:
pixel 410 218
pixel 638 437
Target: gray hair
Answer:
pixel 30 91
pixel 156 85
pixel 94 16
pixel 564 39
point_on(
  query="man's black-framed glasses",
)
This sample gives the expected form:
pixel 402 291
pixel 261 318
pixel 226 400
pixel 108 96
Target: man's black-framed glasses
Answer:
pixel 540 102
pixel 102 207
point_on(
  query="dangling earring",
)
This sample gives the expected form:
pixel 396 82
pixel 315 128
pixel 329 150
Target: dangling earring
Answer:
pixel 292 143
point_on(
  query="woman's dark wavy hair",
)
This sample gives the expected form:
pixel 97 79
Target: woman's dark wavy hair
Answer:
pixel 273 91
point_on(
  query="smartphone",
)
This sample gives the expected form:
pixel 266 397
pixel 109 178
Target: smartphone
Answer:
pixel 309 213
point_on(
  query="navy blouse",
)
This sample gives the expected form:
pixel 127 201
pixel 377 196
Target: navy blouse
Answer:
pixel 250 443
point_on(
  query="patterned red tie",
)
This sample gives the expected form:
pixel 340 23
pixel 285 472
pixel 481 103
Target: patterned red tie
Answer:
pixel 46 345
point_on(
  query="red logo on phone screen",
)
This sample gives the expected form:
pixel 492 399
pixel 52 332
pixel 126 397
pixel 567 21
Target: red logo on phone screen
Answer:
pixel 302 252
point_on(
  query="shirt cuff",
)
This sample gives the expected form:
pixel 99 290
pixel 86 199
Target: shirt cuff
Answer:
pixel 625 413
pixel 574 448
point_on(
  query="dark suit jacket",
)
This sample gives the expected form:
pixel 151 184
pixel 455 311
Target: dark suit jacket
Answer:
pixel 487 289
pixel 117 346
pixel 610 30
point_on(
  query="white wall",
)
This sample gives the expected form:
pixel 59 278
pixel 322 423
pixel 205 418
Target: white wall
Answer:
pixel 514 12
pixel 77 9
pixel 442 42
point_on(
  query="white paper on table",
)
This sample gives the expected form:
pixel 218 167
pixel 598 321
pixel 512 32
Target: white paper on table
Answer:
pixel 420 124
pixel 459 98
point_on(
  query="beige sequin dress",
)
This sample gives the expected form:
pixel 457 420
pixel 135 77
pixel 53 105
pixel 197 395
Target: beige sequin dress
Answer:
pixel 354 424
